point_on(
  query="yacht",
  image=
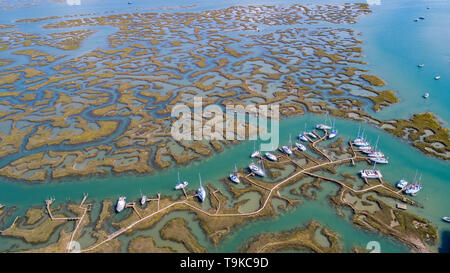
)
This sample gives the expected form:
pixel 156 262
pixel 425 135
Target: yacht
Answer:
pixel 300 146
pixel 201 191
pixel 312 135
pixel 302 137
pixel 375 154
pixel 332 134
pixel 361 143
pixel 370 173
pixel 143 200
pixel 181 185
pixel 414 189
pixel 426 95
pixel 446 219
pixel 379 160
pixel 234 176
pixel 420 65
pixel 365 148
pixel 256 154
pixel 323 127
pixel 437 77
pixel 271 157
pixel 402 184
pixel 286 150
pixel 121 204
pixel 256 170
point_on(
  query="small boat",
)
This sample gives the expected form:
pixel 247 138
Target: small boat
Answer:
pixel 422 18
pixel 413 189
pixel 300 146
pixel 402 184
pixel 332 134
pixel 446 219
pixel 426 95
pixel 129 2
pixel 365 148
pixel 181 185
pixel 143 200
pixel 256 154
pixel 256 170
pixel 271 157
pixel 379 160
pixel 311 134
pixel 437 77
pixel 121 204
pixel 286 150
pixel 370 173
pixel 376 154
pixel 234 176
pixel 416 20
pixel 323 127
pixel 302 137
pixel 420 65
pixel 201 191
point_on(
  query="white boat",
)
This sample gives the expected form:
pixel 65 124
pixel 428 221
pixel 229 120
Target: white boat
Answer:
pixel 121 204
pixel 426 95
pixel 402 184
pixel 201 191
pixel 370 173
pixel 413 189
pixel 286 150
pixel 234 176
pixel 256 170
pixel 312 135
pixel 332 134
pixel 446 219
pixel 375 154
pixel 181 185
pixel 361 143
pixel 365 148
pixel 302 137
pixel 300 146
pixel 271 157
pixel 143 200
pixel 420 65
pixel 437 77
pixel 256 154
pixel 323 127
pixel 379 160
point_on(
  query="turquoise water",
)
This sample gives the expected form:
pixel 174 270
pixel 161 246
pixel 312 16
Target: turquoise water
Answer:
pixel 393 45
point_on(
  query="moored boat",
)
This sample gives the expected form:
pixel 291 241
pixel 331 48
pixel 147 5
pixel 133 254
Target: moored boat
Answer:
pixel 332 134
pixel 256 170
pixel 143 200
pixel 234 176
pixel 286 150
pixel 370 173
pixel 271 156
pixel 402 184
pixel 300 146
pixel 121 204
pixel 201 193
pixel 446 219
pixel 303 137
pixel 379 160
pixel 323 127
pixel 375 154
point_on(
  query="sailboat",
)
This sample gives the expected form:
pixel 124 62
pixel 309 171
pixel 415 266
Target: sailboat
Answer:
pixel 255 153
pixel 180 184
pixel 286 149
pixel 303 137
pixel 121 204
pixel 234 176
pixel 300 146
pixel 333 132
pixel 271 156
pixel 323 127
pixel 201 191
pixel 143 199
pixel 256 170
